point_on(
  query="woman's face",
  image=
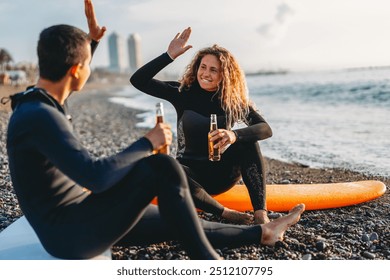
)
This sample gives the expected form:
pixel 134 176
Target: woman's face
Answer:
pixel 209 73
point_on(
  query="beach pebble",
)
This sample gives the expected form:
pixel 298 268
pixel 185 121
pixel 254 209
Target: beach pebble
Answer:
pixel 307 257
pixel 285 182
pixel 374 236
pixel 237 255
pixel 368 255
pixel 274 215
pixel 169 256
pixel 320 245
pixel 365 237
pixel 132 252
pixel 320 238
pixel 370 214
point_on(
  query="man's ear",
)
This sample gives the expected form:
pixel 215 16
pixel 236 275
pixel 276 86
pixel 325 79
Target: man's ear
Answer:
pixel 74 70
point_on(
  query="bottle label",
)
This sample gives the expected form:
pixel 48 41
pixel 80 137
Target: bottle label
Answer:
pixel 214 153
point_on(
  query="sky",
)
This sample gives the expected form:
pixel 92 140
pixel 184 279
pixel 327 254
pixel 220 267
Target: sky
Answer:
pixel 297 35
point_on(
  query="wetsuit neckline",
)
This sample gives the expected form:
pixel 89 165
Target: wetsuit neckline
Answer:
pixel 50 100
pixel 212 95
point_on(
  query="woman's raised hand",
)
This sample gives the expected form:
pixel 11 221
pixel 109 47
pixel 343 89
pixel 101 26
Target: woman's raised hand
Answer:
pixel 178 45
pixel 95 31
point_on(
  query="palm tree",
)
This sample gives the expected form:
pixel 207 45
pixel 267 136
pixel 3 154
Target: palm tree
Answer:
pixel 5 58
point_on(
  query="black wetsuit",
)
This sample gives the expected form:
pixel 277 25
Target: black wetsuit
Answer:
pixel 80 206
pixel 193 107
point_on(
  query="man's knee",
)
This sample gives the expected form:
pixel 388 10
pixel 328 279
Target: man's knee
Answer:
pixel 167 167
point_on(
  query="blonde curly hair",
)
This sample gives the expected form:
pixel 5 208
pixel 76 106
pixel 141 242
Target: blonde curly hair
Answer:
pixel 232 89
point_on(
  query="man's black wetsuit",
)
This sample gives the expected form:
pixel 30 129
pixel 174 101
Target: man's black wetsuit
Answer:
pixel 80 206
pixel 193 107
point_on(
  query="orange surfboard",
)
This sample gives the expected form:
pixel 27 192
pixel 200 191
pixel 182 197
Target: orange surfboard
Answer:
pixel 314 196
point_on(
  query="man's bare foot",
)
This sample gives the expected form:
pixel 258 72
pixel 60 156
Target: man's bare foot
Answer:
pixel 236 216
pixel 261 217
pixel 274 231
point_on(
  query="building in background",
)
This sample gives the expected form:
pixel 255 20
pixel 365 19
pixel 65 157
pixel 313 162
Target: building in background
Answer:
pixel 134 51
pixel 116 55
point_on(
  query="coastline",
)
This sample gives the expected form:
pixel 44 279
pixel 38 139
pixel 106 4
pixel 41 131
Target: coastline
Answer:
pixel 354 232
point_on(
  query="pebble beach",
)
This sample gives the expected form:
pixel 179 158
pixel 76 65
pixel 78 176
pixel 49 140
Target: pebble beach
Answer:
pixel 349 233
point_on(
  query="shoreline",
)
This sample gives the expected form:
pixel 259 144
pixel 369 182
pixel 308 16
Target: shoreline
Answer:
pixel 339 233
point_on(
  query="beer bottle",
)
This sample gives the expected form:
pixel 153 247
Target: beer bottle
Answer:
pixel 214 153
pixel 160 119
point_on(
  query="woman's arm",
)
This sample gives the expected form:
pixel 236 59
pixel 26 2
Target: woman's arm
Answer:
pixel 143 78
pixel 258 128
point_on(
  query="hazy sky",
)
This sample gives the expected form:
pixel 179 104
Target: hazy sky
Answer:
pixel 262 34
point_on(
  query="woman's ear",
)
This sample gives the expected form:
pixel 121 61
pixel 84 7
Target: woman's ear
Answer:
pixel 74 70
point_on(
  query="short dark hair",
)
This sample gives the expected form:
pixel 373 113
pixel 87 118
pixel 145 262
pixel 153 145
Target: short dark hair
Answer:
pixel 59 48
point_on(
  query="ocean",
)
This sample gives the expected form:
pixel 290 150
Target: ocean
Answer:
pixel 330 119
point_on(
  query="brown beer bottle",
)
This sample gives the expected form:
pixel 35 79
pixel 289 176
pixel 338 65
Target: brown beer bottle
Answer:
pixel 160 119
pixel 214 153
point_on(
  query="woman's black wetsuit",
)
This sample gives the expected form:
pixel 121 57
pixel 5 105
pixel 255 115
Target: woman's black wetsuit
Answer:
pixel 79 207
pixel 193 107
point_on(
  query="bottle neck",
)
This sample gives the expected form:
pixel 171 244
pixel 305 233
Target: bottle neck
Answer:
pixel 213 126
pixel 159 112
pixel 213 122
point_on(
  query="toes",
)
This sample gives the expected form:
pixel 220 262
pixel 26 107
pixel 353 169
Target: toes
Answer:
pixel 298 208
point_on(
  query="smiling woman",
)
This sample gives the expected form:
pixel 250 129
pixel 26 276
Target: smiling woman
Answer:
pixel 209 73
pixel 213 83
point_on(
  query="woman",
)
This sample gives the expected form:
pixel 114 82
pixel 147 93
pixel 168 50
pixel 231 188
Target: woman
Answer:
pixel 213 83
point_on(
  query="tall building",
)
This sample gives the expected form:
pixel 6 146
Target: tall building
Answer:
pixel 115 52
pixel 134 49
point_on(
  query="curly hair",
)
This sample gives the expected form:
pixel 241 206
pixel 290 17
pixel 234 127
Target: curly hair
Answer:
pixel 232 89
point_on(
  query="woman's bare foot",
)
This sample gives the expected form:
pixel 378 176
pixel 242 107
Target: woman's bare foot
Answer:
pixel 236 216
pixel 274 231
pixel 261 217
